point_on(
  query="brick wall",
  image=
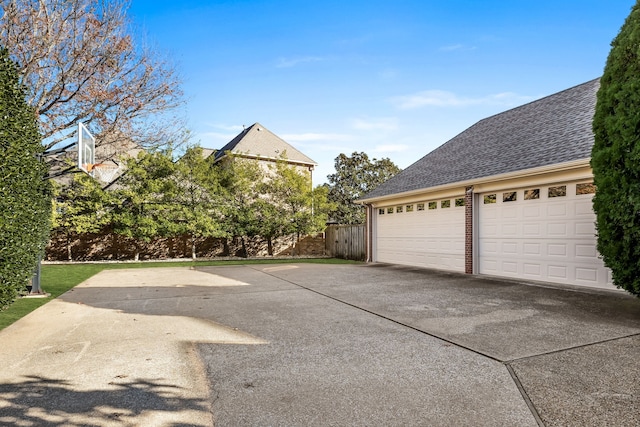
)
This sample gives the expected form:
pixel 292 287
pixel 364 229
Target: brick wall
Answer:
pixel 468 230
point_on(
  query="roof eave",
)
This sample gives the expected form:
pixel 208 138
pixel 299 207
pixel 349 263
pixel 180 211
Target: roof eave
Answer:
pixel 556 167
pixel 269 159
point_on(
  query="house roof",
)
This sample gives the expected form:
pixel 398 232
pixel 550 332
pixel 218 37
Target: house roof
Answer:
pixel 258 141
pixel 551 130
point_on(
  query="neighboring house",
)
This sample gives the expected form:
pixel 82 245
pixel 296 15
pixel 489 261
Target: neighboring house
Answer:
pixel 510 196
pixel 259 143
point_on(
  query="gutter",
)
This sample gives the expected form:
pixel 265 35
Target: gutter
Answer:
pixel 523 173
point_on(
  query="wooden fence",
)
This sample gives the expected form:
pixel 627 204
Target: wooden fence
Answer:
pixel 345 241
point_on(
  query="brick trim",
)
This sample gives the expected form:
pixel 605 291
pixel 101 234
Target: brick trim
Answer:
pixel 468 230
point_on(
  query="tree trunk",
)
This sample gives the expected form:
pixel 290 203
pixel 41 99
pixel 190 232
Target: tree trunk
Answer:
pixel 269 246
pixel 193 247
pixel 69 254
pixel 136 257
pixel 244 248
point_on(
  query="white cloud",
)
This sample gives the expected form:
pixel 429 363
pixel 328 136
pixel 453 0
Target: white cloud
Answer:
pixel 451 47
pixel 292 62
pixel 382 123
pixel 441 98
pixel 454 47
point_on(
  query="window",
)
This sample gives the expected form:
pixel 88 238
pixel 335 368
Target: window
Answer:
pixel 559 191
pixel 459 202
pixel 433 205
pixel 390 210
pixel 381 211
pixel 489 198
pixel 420 206
pixel 409 208
pixel 399 209
pixel 587 188
pixel 532 194
pixel 445 204
pixel 511 196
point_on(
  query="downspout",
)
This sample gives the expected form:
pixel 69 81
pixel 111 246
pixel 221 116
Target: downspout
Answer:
pixel 369 234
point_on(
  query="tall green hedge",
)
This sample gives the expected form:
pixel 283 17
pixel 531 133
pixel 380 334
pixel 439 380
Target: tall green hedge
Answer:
pixel 25 196
pixel 616 157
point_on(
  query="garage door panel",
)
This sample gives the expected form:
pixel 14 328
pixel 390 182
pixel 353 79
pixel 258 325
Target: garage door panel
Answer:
pixel 549 239
pixel 557 272
pixel 432 238
pixel 557 210
pixel 556 229
pixel 585 229
pixel 531 230
pixel 510 230
pixel 557 250
pixel 586 250
pixel 531 248
pixel 510 267
pixel 584 207
pixel 532 271
pixel 530 211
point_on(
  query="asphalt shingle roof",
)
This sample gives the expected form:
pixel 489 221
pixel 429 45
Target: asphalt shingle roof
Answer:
pixel 258 141
pixel 554 129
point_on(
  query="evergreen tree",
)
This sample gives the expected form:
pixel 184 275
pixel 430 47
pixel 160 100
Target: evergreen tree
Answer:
pixel 241 182
pixel 141 206
pixel 80 208
pixel 196 204
pixel 25 210
pixel 616 157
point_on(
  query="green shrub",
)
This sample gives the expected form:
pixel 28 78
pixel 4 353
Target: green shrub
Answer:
pixel 25 195
pixel 616 157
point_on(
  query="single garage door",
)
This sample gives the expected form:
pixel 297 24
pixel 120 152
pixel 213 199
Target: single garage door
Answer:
pixel 426 234
pixel 542 233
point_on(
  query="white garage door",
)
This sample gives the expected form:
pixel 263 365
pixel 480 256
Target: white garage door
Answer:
pixel 426 234
pixel 542 233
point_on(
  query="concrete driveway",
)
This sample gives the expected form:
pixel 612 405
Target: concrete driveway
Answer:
pixel 311 344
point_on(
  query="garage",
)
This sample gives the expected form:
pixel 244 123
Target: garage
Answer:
pixel 527 182
pixel 424 234
pixel 543 232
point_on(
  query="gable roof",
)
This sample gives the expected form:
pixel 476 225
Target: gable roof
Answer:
pixel 551 130
pixel 259 142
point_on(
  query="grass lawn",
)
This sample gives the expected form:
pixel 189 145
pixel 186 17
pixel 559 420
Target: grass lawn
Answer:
pixel 58 279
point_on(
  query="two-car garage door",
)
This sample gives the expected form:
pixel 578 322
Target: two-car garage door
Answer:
pixel 426 234
pixel 542 233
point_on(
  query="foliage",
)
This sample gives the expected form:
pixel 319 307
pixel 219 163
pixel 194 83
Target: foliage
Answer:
pixel 356 176
pixel 236 198
pixel 79 61
pixel 240 181
pixel 616 157
pixel 300 208
pixel 196 205
pixel 25 210
pixel 81 207
pixel 140 205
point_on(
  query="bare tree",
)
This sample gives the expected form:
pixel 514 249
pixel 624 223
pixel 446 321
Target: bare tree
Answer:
pixel 79 61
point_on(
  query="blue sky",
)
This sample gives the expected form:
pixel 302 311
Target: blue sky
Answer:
pixel 391 78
